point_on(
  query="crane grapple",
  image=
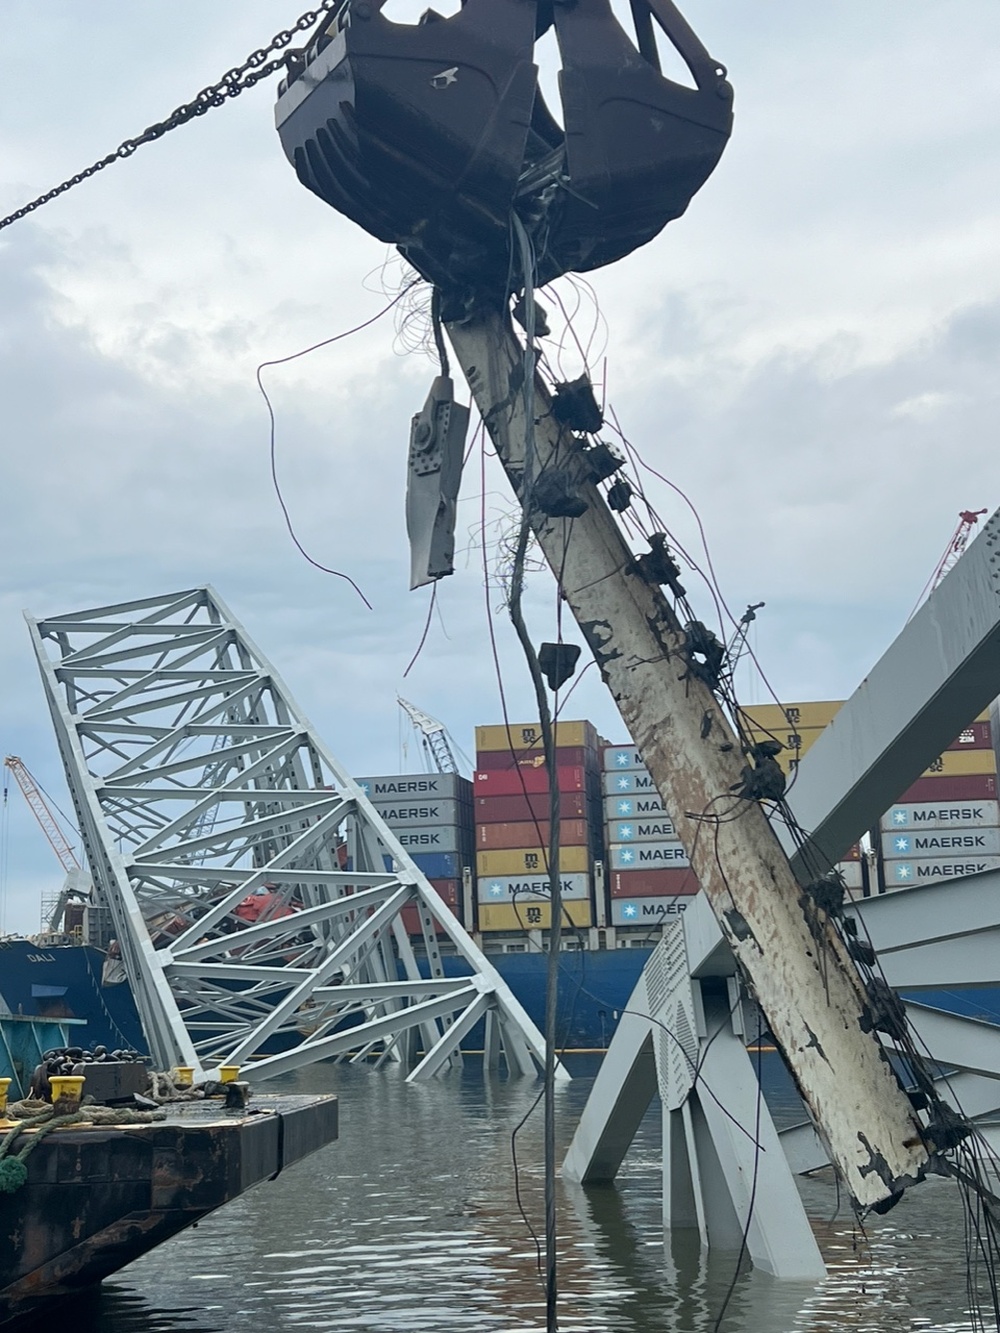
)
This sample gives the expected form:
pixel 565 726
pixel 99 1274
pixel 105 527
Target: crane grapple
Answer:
pixel 432 136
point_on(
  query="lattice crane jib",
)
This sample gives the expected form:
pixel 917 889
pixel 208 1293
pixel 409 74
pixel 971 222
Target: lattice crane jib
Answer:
pixel 256 893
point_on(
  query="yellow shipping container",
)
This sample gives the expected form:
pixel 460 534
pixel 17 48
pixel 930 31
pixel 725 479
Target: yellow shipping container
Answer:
pixel 802 715
pixel 962 763
pixel 531 860
pixel 525 734
pixel 530 916
pixel 807 737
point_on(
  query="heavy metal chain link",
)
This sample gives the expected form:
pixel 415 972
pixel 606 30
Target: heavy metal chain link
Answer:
pixel 257 66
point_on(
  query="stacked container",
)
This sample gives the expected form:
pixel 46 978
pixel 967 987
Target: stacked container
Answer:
pixel 512 824
pixel 649 875
pixel 948 823
pixel 431 816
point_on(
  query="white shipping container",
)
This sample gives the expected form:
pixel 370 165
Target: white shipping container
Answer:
pixel 621 758
pixel 851 872
pixel 530 888
pixel 648 856
pixel 429 813
pixel 389 788
pixel 951 842
pixel 943 814
pixel 900 874
pixel 621 784
pixel 647 911
pixel 633 805
pixel 658 829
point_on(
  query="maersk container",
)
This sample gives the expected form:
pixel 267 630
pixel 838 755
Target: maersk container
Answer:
pixel 657 829
pixel 633 805
pixel 621 759
pixel 438 865
pixel 900 874
pixel 531 916
pixel 647 856
pixel 629 784
pixel 527 781
pixel 531 860
pixel 652 883
pixel 938 815
pixel 567 756
pixel 422 813
pixel 442 786
pixel 646 911
pixel 941 790
pixel 522 809
pixel 523 735
pixel 853 875
pixel 903 845
pixel 498 837
pixel 450 838
pixel 515 888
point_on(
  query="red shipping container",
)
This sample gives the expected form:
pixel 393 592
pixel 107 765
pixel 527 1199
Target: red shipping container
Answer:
pixel 652 883
pixel 975 787
pixel 977 736
pixel 519 809
pixel 450 890
pixel 500 837
pixel 526 781
pixel 567 756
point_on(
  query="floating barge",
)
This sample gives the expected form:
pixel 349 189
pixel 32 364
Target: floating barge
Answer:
pixel 97 1198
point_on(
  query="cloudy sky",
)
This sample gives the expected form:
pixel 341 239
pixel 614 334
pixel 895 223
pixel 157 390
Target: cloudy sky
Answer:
pixel 810 354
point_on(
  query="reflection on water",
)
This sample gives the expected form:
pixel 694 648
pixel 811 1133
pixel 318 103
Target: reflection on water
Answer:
pixel 410 1222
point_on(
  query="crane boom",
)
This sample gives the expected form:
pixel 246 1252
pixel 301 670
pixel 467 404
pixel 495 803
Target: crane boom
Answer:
pixel 39 808
pixel 433 735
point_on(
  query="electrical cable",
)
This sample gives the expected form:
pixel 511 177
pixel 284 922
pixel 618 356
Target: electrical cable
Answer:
pixel 280 361
pixel 427 626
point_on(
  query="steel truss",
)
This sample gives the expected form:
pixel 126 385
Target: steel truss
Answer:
pixel 256 894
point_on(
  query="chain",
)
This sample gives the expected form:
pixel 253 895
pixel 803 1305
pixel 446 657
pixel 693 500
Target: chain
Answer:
pixel 257 66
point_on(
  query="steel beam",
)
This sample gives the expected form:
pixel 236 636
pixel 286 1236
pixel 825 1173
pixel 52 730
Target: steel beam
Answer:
pixel 695 761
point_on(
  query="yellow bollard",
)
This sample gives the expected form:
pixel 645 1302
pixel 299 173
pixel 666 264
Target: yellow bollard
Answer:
pixel 183 1076
pixel 229 1073
pixel 67 1088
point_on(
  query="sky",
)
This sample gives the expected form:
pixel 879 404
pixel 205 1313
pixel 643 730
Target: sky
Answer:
pixel 809 355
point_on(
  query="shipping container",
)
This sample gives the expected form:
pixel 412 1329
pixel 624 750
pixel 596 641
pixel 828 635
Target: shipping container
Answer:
pixel 657 829
pixel 852 873
pixel 960 763
pixel 934 814
pixel 527 781
pixel 450 891
pixel 518 888
pixel 439 865
pixel 953 842
pixel 443 786
pixel 634 806
pixel 567 756
pixel 795 742
pixel 853 853
pixel 460 839
pixel 647 856
pixel 531 916
pixel 796 716
pixel 521 860
pixel 621 758
pixel 902 873
pixel 976 736
pixel 496 837
pixel 629 784
pixel 424 813
pixel 523 809
pixel 646 911
pixel 524 735
pixel 945 790
pixel 652 883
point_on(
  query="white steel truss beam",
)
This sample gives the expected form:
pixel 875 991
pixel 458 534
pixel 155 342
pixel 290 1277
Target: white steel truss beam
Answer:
pixel 255 891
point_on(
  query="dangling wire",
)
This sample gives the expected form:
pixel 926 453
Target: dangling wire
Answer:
pixel 439 342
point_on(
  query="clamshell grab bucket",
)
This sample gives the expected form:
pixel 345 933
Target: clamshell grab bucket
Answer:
pixel 432 135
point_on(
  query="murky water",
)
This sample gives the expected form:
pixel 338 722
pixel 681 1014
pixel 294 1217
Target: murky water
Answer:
pixel 410 1222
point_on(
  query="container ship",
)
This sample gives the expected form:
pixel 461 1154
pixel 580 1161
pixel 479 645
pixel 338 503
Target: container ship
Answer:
pixel 482 843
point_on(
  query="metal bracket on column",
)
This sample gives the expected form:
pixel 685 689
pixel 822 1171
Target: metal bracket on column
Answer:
pixel 434 474
pixel 724 1172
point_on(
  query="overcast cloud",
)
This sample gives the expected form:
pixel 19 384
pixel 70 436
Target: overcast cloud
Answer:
pixel 810 354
